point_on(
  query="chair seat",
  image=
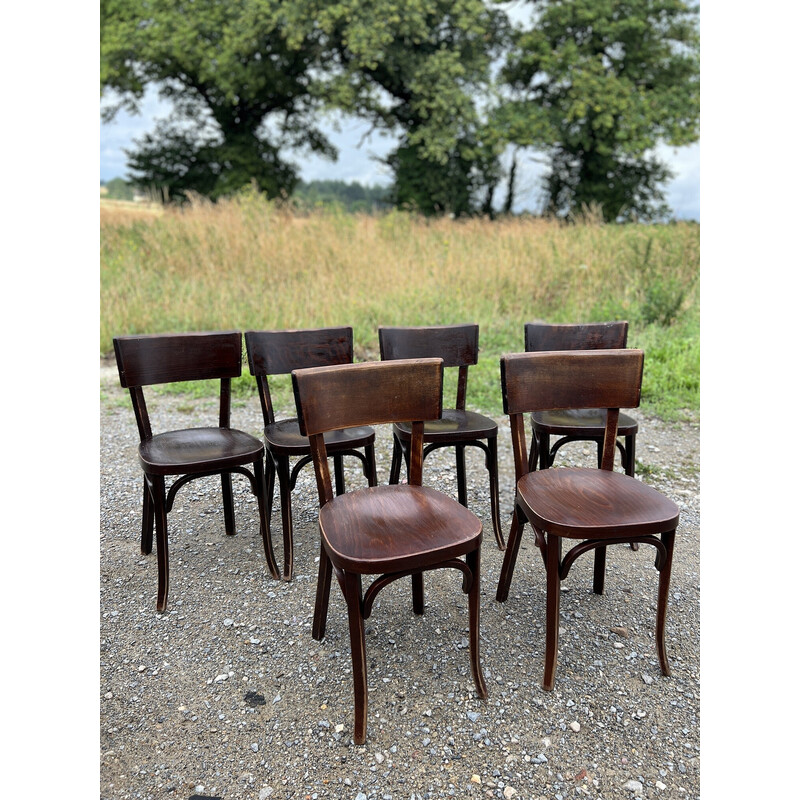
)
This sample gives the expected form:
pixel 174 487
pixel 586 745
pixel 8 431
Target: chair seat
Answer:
pixel 198 450
pixel 454 426
pixel 284 438
pixel 397 527
pixel 580 422
pixel 580 503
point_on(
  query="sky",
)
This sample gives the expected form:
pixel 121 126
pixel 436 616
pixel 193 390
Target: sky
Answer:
pixel 359 154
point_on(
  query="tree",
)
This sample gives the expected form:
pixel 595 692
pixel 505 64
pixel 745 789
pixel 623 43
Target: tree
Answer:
pixel 417 68
pixel 598 83
pixel 240 74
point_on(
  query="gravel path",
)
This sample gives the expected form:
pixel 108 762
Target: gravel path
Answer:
pixel 227 695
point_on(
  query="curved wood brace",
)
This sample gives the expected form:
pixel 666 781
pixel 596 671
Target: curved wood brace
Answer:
pixel 184 479
pixel 385 580
pixel 308 459
pixel 429 448
pixel 566 439
pixel 591 544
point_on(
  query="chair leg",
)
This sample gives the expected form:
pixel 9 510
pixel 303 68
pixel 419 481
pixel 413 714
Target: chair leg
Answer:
pixel 338 473
pixel 284 484
pixel 552 614
pixel 598 584
pixel 544 451
pixel 162 555
pixel 227 503
pixel 665 573
pixel 147 520
pixel 533 456
pixel 352 593
pixel 630 455
pixel 474 563
pixel 263 517
pixel 510 558
pixel 323 595
pixel 270 469
pixel 371 469
pixel 397 460
pixel 494 491
pixel 461 475
pixel 418 593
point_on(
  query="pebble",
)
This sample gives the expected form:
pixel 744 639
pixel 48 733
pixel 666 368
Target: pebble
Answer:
pixel 576 726
pixel 635 787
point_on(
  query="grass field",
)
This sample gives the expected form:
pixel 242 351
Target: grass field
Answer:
pixel 247 264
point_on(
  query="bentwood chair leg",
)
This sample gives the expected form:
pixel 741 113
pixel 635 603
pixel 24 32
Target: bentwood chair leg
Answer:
pixel 473 560
pixel 544 451
pixel 533 456
pixel 371 470
pixel 510 558
pixel 397 460
pixel 494 491
pixel 162 556
pixel 599 570
pixel 263 518
pixel 418 593
pixel 286 516
pixel 269 481
pixel 338 473
pixel 323 595
pixel 227 503
pixel 665 573
pixel 147 520
pixel 352 593
pixel 461 475
pixel 552 613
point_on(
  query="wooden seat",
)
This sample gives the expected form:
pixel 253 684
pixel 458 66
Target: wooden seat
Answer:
pixel 393 531
pixel 458 427
pixel 278 353
pixel 597 506
pixel 190 453
pixel 578 424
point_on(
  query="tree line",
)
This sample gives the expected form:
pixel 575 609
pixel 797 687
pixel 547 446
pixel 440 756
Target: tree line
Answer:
pixel 589 86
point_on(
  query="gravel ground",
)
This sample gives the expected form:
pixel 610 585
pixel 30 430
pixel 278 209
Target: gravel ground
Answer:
pixel 226 695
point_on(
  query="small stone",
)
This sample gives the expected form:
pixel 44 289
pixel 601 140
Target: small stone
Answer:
pixel 475 779
pixel 254 747
pixel 661 786
pixel 265 792
pixel 473 716
pixel 619 645
pixel 576 726
pixel 221 678
pixel 380 758
pixel 509 792
pixel 635 787
pixel 623 632
pixel 647 678
pixel 227 623
pixel 339 729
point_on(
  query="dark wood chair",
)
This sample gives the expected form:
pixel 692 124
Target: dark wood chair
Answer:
pixel 457 346
pixel 278 353
pixel 190 453
pixel 578 424
pixel 393 531
pixel 597 506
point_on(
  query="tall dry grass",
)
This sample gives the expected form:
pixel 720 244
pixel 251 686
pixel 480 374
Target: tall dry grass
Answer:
pixel 245 263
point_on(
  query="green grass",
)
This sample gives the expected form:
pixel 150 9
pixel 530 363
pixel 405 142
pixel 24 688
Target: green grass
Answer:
pixel 245 264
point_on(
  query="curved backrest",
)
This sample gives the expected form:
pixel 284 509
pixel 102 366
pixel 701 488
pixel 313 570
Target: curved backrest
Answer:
pixel 368 393
pixel 279 352
pixel 574 379
pixel 590 336
pixel 172 357
pixel 456 345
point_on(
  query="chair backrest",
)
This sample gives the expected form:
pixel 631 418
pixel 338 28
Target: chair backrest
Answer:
pixel 610 379
pixel 280 352
pixel 368 393
pixel 456 345
pixel 174 357
pixel 591 336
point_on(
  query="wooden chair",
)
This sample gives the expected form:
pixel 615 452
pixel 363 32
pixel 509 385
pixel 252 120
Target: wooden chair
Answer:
pixel 578 424
pixel 457 346
pixel 278 353
pixel 597 506
pixel 394 531
pixel 190 453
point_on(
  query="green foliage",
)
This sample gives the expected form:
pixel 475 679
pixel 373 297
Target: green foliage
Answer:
pixel 240 74
pixel 118 189
pixel 349 197
pixel 598 83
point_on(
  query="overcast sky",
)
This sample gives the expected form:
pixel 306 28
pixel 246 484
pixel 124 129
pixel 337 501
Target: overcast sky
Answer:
pixel 359 160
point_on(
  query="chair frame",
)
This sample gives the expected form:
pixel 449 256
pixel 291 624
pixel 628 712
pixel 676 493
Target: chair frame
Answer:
pixel 150 359
pixel 607 379
pixel 278 352
pixel 416 396
pixel 457 346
